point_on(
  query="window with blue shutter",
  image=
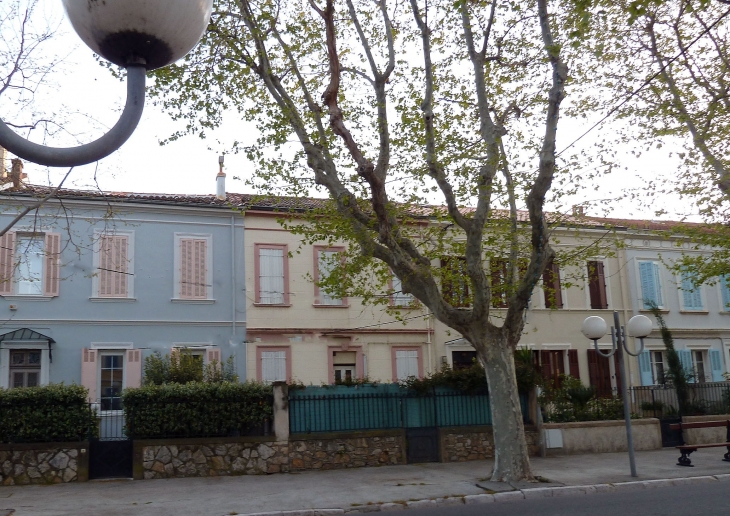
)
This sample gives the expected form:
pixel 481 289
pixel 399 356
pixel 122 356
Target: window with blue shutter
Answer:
pixel 651 289
pixel 691 296
pixel 725 288
pixel 716 365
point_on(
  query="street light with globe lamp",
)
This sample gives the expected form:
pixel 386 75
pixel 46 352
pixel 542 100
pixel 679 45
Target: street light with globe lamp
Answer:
pixel 639 326
pixel 138 35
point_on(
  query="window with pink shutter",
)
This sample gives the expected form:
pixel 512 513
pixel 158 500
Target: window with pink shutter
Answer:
pixel 52 279
pixel 193 268
pixel 113 265
pixel 7 262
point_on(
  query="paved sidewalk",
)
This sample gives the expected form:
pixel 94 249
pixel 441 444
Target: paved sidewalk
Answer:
pixel 363 488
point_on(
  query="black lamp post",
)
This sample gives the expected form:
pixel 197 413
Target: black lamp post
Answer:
pixel 140 35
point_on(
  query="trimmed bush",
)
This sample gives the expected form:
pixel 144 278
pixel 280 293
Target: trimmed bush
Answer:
pixel 52 413
pixel 196 409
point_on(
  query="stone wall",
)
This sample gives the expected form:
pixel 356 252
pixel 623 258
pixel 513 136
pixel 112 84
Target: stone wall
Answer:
pixel 347 450
pixel 705 435
pixel 460 444
pixel 602 436
pixel 44 463
pixel 209 457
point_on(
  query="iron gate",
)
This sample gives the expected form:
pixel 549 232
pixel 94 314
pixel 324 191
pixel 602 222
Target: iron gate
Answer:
pixel 110 450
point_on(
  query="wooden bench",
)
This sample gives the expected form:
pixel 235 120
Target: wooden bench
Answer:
pixel 689 448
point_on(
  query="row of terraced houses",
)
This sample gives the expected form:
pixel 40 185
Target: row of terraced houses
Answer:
pixel 95 282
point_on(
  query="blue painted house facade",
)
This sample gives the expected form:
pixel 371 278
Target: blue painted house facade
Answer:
pixel 697 315
pixel 92 283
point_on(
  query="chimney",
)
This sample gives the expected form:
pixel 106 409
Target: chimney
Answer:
pixel 220 182
pixel 3 161
pixel 16 172
pixel 578 211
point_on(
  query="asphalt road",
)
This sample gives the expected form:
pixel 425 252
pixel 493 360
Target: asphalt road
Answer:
pixel 691 500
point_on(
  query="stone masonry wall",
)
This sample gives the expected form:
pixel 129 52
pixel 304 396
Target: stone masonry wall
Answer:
pixel 460 444
pixel 209 458
pixel 336 451
pixel 22 464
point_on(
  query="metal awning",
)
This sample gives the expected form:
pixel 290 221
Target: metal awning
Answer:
pixel 25 334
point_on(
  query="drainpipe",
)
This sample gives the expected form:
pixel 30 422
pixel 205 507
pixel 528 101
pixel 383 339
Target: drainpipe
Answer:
pixel 233 275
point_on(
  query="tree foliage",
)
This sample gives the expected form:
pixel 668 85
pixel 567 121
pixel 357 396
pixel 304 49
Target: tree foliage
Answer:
pixel 431 127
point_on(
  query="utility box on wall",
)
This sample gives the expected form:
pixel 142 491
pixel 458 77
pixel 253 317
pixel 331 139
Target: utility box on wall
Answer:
pixel 553 438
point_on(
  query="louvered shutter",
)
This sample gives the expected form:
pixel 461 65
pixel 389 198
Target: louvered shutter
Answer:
pixel 597 285
pixel 716 365
pixel 691 294
pixel 133 368
pixel 650 288
pixel 573 361
pixel 645 368
pixel 52 279
pixel 113 266
pixel 725 289
pixel 271 276
pixel 89 369
pixel 326 266
pixel 7 262
pixel 551 285
pixel 193 268
pixel 685 357
pixel 273 366
pixel 406 364
pixel 214 355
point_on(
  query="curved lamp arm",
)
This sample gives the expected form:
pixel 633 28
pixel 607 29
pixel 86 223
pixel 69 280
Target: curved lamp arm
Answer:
pixel 641 349
pixel 90 152
pixel 606 355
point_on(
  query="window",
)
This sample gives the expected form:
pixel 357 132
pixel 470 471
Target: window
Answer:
pixel 327 261
pixel 690 294
pixel 272 274
pixel 658 367
pixel 650 282
pixel 597 285
pixel 407 363
pixel 399 298
pixel 193 268
pixel 463 359
pixel 115 265
pixel 551 286
pixel 25 368
pixel 698 359
pixel 498 274
pixel 725 292
pixel 111 380
pixel 30 264
pixel 552 366
pixel 455 282
pixel 344 365
pixel 273 364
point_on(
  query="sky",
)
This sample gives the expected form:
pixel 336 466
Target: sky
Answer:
pixel 86 97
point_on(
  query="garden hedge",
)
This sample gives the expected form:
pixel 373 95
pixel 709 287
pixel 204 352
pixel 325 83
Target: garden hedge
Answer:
pixel 196 409
pixel 52 413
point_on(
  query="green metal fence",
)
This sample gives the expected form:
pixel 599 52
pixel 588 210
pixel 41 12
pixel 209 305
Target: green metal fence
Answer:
pixel 341 409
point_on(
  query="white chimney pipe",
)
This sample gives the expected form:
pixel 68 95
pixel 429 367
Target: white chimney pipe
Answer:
pixel 220 182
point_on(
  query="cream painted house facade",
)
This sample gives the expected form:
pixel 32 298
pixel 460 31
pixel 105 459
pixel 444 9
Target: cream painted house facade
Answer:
pixel 297 333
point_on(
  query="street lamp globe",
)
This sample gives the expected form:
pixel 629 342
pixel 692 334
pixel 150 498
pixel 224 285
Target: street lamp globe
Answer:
pixel 157 31
pixel 639 326
pixel 594 327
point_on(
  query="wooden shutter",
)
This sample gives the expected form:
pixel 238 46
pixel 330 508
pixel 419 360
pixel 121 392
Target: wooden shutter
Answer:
pixel 597 285
pixel 551 286
pixel 113 266
pixel 573 361
pixel 133 368
pixel 89 369
pixel 725 290
pixel 52 280
pixel 273 366
pixel 498 276
pixel 7 262
pixel 691 294
pixel 213 355
pixel 193 268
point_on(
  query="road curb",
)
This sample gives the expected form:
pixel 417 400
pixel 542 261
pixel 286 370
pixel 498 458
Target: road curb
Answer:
pixel 504 497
